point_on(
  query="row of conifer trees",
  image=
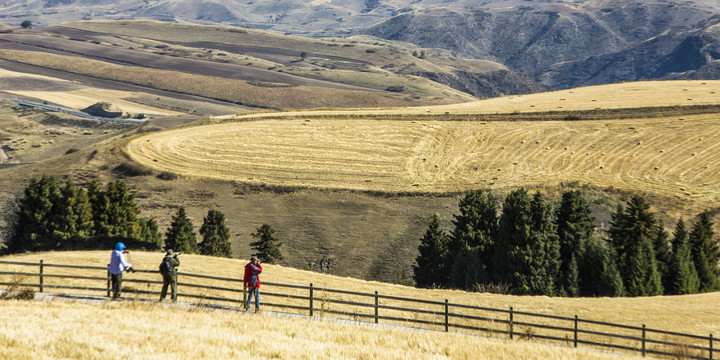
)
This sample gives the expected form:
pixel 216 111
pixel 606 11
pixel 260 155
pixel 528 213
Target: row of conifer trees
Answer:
pixel 53 217
pixel 529 248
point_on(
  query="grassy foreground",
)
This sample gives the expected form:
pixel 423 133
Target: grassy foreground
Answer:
pixel 53 330
pixel 695 314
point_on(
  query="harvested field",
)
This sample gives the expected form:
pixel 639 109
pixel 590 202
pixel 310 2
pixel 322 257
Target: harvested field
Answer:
pixel 666 155
pixel 231 90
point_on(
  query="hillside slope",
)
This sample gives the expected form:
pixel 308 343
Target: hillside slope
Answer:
pixel 563 46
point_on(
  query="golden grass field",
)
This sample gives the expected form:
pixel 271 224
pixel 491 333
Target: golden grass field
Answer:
pixel 696 314
pixel 33 330
pixel 672 156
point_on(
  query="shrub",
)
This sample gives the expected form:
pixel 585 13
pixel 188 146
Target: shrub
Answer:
pixel 71 150
pixel 130 169
pixel 395 88
pixel 167 175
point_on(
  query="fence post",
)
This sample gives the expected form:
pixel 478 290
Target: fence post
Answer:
pixel 511 323
pixel 446 316
pixel 576 327
pixel 711 347
pixel 311 299
pixel 376 306
pixel 41 275
pixel 643 340
pixel 108 281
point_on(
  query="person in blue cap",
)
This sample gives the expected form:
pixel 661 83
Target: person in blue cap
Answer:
pixel 118 264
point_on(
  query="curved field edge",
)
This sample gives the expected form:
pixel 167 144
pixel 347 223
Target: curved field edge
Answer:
pixel 695 314
pixel 665 156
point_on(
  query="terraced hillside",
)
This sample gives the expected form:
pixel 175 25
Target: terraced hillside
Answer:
pixel 654 145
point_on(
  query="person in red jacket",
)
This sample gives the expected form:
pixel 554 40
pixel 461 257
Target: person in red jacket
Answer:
pixel 252 282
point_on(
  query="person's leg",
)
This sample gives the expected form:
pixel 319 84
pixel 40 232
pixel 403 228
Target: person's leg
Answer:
pixel 163 293
pixel 113 278
pixel 257 299
pixel 174 288
pixel 116 285
pixel 249 299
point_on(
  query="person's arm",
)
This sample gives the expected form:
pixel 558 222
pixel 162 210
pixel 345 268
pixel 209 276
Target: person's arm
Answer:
pixel 175 261
pixel 124 262
pixel 256 269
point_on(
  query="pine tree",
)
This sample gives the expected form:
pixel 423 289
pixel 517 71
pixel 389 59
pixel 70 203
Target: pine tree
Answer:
pixel 123 221
pixel 661 247
pixel 267 246
pixel 180 236
pixel 632 231
pixel 683 277
pixel 100 209
pixel 599 275
pixel 72 218
pixel 575 227
pixel 431 269
pixel 216 236
pixel 512 251
pixel 705 253
pixel 571 279
pixel 527 249
pixel 150 236
pixel 546 247
pixel 33 229
pixel 473 233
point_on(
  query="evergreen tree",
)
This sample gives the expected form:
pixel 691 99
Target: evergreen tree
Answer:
pixel 599 275
pixel 571 279
pixel 471 243
pixel 100 209
pixel 180 236
pixel 123 221
pixel 683 277
pixel 150 236
pixel 632 231
pixel 216 236
pixel 575 226
pixel 431 270
pixel 33 229
pixel 267 246
pixel 661 247
pixel 705 253
pixel 527 249
pixel 546 252
pixel 72 218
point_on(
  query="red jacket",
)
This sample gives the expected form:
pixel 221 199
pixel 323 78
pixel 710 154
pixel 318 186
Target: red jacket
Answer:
pixel 252 275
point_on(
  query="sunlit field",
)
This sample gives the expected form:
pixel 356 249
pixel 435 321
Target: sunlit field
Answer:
pixel 134 330
pixel 33 330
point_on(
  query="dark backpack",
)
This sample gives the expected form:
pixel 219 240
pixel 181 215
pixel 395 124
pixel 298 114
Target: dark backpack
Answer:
pixel 165 267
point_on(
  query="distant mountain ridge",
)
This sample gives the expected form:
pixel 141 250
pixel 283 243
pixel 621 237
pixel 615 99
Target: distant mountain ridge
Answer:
pixel 558 43
pixel 564 46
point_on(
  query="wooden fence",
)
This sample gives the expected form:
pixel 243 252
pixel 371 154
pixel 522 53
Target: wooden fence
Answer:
pixel 373 307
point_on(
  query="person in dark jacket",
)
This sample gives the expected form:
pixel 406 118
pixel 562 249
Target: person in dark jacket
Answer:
pixel 252 282
pixel 170 276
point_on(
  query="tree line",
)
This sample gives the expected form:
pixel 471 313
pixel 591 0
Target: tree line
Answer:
pixel 51 216
pixel 529 248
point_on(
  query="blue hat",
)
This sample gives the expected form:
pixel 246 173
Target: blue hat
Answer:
pixel 120 246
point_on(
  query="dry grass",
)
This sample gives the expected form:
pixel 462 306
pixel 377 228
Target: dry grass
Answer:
pixel 130 331
pixel 83 331
pixel 663 156
pixel 696 314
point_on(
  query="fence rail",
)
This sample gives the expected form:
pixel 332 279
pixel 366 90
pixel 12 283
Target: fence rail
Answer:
pixel 420 313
